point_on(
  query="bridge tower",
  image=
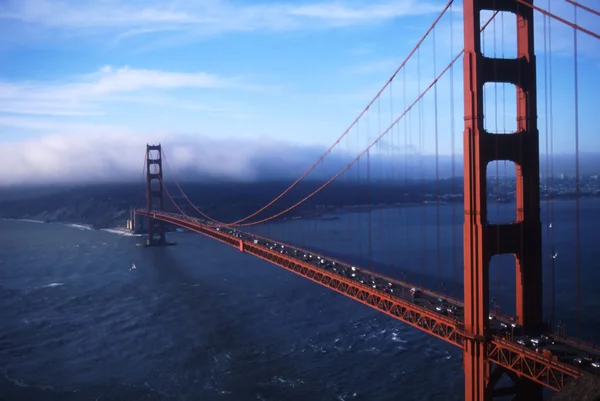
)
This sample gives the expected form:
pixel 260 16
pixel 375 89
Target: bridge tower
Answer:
pixel 482 240
pixel 154 194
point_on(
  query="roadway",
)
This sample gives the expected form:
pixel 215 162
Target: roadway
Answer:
pixel 586 359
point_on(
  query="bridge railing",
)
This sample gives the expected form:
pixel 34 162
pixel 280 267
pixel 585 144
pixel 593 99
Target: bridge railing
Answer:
pixel 580 344
pixel 171 219
pixel 405 283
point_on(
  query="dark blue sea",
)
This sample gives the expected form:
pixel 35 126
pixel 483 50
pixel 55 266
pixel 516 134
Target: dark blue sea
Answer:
pixel 202 321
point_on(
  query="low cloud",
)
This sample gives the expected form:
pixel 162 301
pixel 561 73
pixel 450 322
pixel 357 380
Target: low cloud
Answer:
pixel 118 157
pixel 105 157
pixel 115 157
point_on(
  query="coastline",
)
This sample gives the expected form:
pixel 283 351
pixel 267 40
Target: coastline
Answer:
pixel 323 212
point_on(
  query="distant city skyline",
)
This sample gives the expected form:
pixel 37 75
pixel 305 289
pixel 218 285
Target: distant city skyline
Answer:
pixel 86 85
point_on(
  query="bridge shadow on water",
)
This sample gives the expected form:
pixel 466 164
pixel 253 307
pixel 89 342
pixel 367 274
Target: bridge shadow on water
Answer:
pixel 224 348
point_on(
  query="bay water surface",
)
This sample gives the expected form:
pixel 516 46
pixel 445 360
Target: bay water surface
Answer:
pixel 202 321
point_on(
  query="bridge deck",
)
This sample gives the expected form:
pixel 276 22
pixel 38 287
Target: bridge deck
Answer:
pixel 553 362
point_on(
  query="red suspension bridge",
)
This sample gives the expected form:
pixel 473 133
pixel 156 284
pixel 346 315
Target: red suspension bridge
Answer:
pixel 529 348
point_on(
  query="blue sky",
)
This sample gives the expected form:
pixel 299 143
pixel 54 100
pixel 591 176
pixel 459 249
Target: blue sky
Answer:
pixel 87 83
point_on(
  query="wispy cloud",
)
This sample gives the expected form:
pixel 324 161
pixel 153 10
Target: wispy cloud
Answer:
pixel 83 95
pixel 366 13
pixel 127 19
pixel 102 13
pixel 36 107
pixel 111 80
pixel 58 126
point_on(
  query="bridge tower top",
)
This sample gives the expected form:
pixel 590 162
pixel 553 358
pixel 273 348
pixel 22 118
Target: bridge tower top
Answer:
pixel 154 194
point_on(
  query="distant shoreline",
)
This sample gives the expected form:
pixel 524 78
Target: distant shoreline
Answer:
pixel 115 219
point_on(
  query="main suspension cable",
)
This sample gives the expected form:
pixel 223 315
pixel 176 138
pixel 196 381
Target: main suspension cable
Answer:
pixel 556 17
pixel 347 129
pixel 351 162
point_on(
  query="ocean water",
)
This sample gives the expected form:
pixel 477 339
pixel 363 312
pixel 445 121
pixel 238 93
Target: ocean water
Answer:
pixel 202 321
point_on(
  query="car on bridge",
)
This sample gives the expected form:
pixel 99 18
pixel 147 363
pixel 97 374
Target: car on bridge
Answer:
pixel 415 292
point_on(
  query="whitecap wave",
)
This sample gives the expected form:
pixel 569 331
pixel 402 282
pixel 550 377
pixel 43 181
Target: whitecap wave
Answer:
pixel 21 383
pixel 347 396
pixel 121 231
pixel 282 382
pixel 397 339
pixel 51 285
pixel 78 226
pixel 25 220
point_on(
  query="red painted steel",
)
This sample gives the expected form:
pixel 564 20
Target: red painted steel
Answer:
pixel 527 160
pixel 435 294
pixel 476 280
pixel 483 240
pixel 583 7
pixel 536 367
pixel 528 370
pixel 509 355
pixel 422 318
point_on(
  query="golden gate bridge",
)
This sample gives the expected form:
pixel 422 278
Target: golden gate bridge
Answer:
pixel 527 348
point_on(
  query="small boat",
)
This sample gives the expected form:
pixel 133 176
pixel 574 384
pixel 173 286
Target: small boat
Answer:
pixel 133 267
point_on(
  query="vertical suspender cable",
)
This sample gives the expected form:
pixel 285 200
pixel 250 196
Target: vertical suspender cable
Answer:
pixel 546 181
pixel 369 189
pixel 577 214
pixel 405 198
pixel 378 187
pixel 456 272
pixel 391 159
pixel 437 171
pixel 423 213
pixel 552 247
pixel 359 193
